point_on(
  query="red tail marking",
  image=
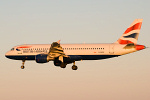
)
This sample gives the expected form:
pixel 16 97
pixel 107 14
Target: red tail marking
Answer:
pixel 134 27
pixel 124 41
pixel 140 47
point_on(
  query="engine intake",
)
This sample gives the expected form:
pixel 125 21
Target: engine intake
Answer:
pixel 41 58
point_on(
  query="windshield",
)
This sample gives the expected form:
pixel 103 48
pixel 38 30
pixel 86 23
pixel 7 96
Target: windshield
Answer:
pixel 12 49
pixel 18 49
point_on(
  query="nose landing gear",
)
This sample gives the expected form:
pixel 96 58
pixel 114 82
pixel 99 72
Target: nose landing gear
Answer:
pixel 22 67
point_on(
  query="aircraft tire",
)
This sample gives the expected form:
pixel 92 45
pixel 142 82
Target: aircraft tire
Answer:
pixel 74 67
pixel 22 67
pixel 63 65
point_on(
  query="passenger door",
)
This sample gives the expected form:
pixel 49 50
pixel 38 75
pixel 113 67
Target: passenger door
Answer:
pixel 111 48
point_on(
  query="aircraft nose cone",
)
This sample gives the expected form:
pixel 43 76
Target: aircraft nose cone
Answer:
pixel 7 54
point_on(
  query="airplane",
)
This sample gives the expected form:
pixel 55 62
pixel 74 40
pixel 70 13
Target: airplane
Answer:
pixel 63 54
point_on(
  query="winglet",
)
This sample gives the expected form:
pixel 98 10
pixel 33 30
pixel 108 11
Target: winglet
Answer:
pixel 58 41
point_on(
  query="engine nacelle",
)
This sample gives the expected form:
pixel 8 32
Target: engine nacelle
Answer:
pixel 41 58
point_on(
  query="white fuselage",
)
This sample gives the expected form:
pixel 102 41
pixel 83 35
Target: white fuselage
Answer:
pixel 71 50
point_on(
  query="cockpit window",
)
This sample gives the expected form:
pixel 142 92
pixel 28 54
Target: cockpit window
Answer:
pixel 12 49
pixel 18 49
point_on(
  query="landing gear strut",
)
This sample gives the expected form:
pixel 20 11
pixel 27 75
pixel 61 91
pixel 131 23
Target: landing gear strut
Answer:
pixel 22 67
pixel 74 67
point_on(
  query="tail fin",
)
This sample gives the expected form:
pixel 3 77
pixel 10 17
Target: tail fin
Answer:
pixel 132 33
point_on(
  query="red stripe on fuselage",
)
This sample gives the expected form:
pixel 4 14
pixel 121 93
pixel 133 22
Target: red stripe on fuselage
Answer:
pixel 24 47
pixel 134 27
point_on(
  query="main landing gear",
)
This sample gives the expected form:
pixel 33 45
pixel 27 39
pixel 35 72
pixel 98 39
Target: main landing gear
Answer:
pixel 74 67
pixel 22 67
pixel 63 65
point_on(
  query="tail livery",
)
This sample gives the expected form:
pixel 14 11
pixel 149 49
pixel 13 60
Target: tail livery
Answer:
pixel 130 36
pixel 132 33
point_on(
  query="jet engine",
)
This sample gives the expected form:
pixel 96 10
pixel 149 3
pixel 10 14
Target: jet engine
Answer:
pixel 41 58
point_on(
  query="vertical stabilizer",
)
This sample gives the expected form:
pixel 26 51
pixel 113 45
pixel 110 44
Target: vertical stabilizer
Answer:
pixel 131 34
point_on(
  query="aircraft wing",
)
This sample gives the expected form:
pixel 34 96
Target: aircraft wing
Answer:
pixel 56 51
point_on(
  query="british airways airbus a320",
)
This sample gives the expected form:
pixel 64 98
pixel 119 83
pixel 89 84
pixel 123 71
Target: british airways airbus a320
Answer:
pixel 63 54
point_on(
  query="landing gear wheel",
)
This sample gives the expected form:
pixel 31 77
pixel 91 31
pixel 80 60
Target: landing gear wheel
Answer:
pixel 22 67
pixel 63 65
pixel 74 67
